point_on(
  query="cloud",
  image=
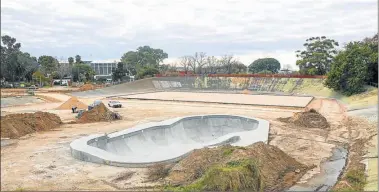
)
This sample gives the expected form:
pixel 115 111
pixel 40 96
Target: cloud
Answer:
pixel 246 28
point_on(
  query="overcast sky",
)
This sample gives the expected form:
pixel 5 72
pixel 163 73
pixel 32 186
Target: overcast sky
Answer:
pixel 248 29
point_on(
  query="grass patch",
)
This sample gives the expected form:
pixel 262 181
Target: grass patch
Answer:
pixel 354 180
pixel 227 151
pixel 233 176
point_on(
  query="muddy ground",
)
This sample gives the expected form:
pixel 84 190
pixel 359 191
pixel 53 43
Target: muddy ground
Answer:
pixel 42 160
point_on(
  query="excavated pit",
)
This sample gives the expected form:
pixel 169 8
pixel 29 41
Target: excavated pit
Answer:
pixel 169 140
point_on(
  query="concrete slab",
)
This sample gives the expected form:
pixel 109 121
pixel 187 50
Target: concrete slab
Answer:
pixel 263 100
pixel 169 140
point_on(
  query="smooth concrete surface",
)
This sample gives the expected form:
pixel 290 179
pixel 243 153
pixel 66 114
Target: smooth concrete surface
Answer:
pixel 245 99
pixel 169 140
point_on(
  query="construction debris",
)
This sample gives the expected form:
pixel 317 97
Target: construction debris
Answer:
pixel 72 102
pixel 17 125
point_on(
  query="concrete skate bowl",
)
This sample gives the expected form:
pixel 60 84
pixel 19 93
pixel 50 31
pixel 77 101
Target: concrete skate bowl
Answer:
pixel 168 141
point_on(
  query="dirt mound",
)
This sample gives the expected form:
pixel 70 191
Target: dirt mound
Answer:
pixel 245 91
pixel 73 101
pixel 98 113
pixel 17 125
pixel 276 170
pixel 87 87
pixel 308 119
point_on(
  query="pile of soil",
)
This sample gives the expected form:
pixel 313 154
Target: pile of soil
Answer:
pixel 245 91
pixel 73 101
pixel 98 113
pixel 87 87
pixel 278 171
pixel 17 125
pixel 308 119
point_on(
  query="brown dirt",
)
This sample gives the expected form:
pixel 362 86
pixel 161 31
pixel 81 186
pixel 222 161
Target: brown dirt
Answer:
pixel 357 150
pixel 98 113
pixel 73 101
pixel 49 99
pixel 245 91
pixel 17 125
pixel 279 170
pixel 87 87
pixel 308 119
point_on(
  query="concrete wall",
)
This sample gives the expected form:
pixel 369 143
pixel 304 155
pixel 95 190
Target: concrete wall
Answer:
pixel 259 84
pixel 211 84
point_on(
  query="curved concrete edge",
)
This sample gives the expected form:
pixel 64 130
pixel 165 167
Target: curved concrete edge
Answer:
pixel 80 149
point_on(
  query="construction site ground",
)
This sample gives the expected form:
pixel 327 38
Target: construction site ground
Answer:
pixel 42 161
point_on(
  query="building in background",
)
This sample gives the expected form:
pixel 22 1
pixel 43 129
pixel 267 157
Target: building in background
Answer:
pixel 101 67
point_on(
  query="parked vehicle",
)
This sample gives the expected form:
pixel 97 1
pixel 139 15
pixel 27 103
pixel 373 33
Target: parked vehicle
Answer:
pixel 33 87
pixel 94 104
pixel 114 104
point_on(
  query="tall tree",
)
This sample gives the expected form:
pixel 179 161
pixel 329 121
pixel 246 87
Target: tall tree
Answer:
pixel 81 70
pixel 78 59
pixel 317 56
pixel 265 65
pixel 184 62
pixel 25 66
pixel 141 58
pixel 9 55
pixel 211 64
pixel 349 70
pixel 48 63
pixel 70 60
pixel 372 76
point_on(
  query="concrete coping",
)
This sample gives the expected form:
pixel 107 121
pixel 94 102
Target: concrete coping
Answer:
pixel 84 149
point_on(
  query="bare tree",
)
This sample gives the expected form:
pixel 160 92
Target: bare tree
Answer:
pixel 197 62
pixel 211 64
pixel 226 62
pixel 185 62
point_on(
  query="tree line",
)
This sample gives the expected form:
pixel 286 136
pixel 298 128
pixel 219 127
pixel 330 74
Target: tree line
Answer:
pixel 347 70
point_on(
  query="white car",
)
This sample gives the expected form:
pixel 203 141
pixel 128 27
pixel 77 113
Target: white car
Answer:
pixel 114 104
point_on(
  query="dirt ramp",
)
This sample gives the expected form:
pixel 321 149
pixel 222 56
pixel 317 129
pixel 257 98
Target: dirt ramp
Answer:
pixel 226 168
pixel 98 113
pixel 17 125
pixel 73 101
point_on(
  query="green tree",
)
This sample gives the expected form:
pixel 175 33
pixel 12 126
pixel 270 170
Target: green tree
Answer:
pixel 265 64
pixel 78 59
pixel 141 58
pixel 119 72
pixel 372 43
pixel 70 60
pixel 81 70
pixel 349 71
pixel 48 63
pixel 9 54
pixel 147 71
pixel 317 56
pixel 25 66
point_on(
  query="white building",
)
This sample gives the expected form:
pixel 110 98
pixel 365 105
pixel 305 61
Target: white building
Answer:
pixel 101 67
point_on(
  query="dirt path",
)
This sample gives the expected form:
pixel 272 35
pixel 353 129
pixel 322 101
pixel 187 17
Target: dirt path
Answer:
pixel 42 160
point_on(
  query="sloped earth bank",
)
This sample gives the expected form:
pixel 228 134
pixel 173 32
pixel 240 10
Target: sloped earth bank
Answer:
pixel 17 125
pixel 215 169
